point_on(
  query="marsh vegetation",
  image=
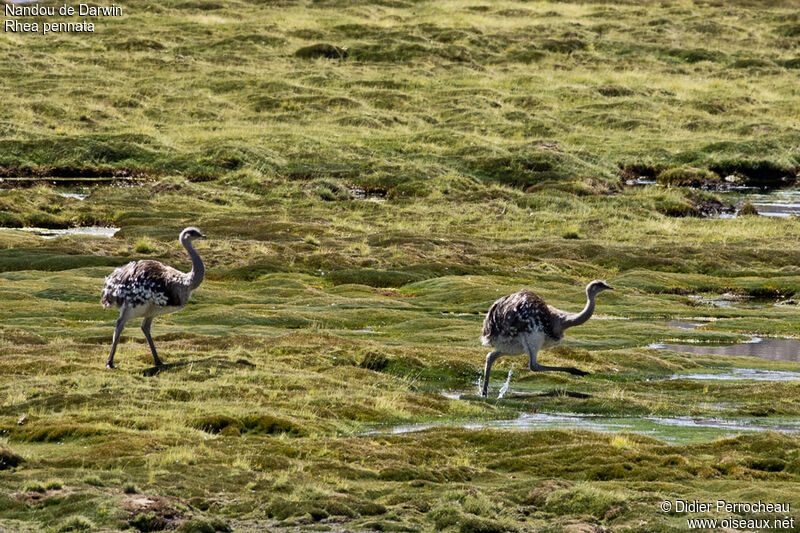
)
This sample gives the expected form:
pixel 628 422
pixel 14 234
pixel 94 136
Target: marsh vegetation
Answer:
pixel 371 177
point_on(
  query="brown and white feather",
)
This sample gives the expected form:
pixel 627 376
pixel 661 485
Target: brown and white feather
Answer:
pixel 146 283
pixel 519 313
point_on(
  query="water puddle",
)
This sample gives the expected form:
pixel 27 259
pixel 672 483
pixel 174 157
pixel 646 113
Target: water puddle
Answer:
pixel 777 204
pixel 671 429
pixel 780 203
pixel 47 233
pixel 725 301
pixel 743 374
pixel 610 317
pixel 683 324
pixel 641 181
pixel 361 194
pixel 772 349
pixel 75 195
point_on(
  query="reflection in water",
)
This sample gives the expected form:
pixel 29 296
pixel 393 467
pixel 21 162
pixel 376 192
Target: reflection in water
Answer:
pixel 777 203
pixel 773 349
pixel 782 203
pixel 76 195
pixel 679 429
pixel 726 301
pixel 752 374
pixel 682 324
pixel 47 233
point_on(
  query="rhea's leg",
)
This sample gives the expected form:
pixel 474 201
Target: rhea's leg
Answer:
pixel 123 318
pixel 146 329
pixel 490 359
pixel 532 349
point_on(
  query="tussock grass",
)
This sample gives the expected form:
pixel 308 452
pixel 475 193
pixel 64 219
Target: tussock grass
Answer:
pixel 372 178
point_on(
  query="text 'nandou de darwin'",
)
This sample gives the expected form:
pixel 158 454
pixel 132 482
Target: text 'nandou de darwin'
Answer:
pixel 13 25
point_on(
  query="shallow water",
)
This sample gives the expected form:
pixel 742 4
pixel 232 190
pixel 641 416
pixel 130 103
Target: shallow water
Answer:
pixel 725 301
pixel 781 203
pixel 745 374
pixel 777 203
pixel 361 194
pixel 76 195
pixel 610 317
pixel 505 386
pixel 47 233
pixel 670 429
pixel 683 324
pixel 772 349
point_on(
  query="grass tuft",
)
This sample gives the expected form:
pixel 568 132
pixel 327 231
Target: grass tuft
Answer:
pixel 144 246
pixel 76 523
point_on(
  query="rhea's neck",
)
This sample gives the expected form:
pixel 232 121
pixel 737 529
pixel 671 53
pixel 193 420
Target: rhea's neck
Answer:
pixel 576 319
pixel 198 269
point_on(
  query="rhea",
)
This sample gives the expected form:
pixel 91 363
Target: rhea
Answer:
pixel 522 323
pixel 147 289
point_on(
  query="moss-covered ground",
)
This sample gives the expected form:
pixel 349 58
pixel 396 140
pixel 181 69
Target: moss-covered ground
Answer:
pixel 365 203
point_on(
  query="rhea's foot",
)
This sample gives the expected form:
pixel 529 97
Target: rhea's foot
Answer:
pixel 577 372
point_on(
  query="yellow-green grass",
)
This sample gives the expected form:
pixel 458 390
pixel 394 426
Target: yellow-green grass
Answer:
pixel 488 140
pixel 505 92
pixel 278 375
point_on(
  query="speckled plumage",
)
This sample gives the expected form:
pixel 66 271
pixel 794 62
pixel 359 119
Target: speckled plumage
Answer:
pixel 146 289
pixel 523 323
pixel 518 313
pixel 145 283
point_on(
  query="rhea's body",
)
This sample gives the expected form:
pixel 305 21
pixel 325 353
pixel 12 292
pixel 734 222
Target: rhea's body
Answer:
pixel 147 289
pixel 522 323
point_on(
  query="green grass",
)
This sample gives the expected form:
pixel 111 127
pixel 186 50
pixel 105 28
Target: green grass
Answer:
pixel 366 201
pixel 551 92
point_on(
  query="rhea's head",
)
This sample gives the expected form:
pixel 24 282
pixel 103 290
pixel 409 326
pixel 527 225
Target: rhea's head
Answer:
pixel 191 233
pixel 597 286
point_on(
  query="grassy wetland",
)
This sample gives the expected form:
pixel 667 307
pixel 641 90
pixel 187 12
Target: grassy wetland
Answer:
pixel 372 177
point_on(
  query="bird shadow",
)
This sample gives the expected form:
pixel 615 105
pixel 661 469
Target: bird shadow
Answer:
pixel 155 370
pixel 550 394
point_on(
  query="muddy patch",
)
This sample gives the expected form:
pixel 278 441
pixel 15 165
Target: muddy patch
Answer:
pixel 153 513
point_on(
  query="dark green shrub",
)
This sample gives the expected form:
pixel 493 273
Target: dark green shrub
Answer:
pixel 215 423
pixel 321 50
pixel 374 361
pixel 270 424
pixel 9 459
pixel 746 210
